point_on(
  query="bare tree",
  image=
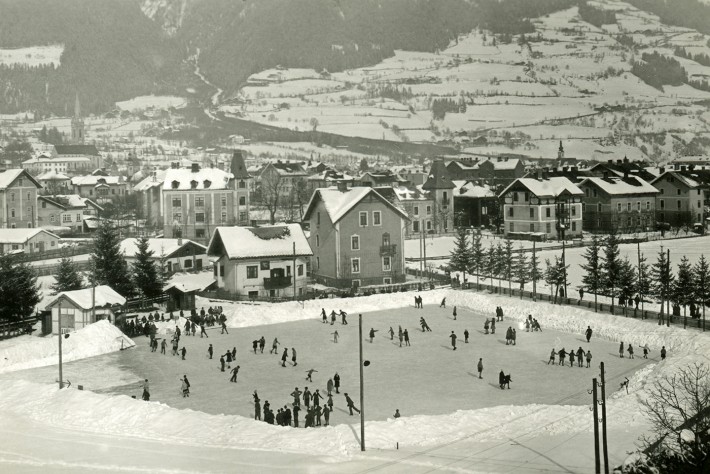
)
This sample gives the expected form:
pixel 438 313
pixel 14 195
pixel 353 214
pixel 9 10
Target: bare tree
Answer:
pixel 270 193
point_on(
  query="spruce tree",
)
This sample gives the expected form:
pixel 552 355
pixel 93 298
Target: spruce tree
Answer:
pixel 491 262
pixel 681 292
pixel 627 281
pixel 110 266
pixel 19 292
pixel 701 284
pixel 145 274
pixel 521 270
pixel 592 278
pixel 477 256
pixel 611 267
pixel 67 277
pixel 499 264
pixel 643 279
pixel 535 271
pixel 661 278
pixel 508 263
pixel 460 256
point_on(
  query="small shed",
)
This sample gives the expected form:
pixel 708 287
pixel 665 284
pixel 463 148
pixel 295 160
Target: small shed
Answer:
pixel 182 291
pixel 79 308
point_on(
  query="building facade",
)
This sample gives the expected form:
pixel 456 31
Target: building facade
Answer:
pixel 65 210
pixel 18 198
pixel 73 310
pixel 27 240
pixel 680 200
pixel 618 205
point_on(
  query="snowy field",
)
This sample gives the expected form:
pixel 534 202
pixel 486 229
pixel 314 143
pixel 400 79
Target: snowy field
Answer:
pixel 550 436
pixel 33 56
pixel 151 102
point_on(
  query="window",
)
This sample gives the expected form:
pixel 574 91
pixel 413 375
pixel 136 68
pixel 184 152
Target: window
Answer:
pixel 265 265
pixel 199 233
pixel 317 218
pixel 584 207
pixel 12 213
pixel 574 210
pixel 20 181
pixel 355 265
pixel 317 240
pixel 648 205
pixel 387 281
pixel 510 212
pixel 547 212
pixel 376 218
pixel 532 227
pixel 28 196
pixel 177 217
pixel 44 205
pixel 193 184
pixel 386 239
pixel 12 197
pixel 428 210
pixel 679 192
pixel 317 262
pixel 355 242
pixel 428 225
pixel 416 210
pixel 78 217
pixel 288 270
pixel 446 198
pixel 594 192
pixel 113 191
pixel 663 204
pixel 188 263
pixel 243 217
pixel 51 218
pixel 574 226
pixel 242 184
pixel 679 204
pixel 223 217
pixel 599 207
pixel 512 227
pixel 224 201
pixel 177 202
pixel 200 217
pixel 700 205
pixel 252 271
pixel 386 264
pixel 363 219
pixel 300 270
pixel 356 283
pixel 515 197
pixel 199 201
pixel 91 192
pixel 618 207
pixel 242 200
pixel 532 212
pixel 628 206
pixel 415 226
pixel 548 227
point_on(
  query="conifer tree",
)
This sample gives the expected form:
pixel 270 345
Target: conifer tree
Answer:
pixel 661 278
pixel 681 292
pixel 499 264
pixel 535 270
pixel 110 266
pixel 460 256
pixel 521 270
pixel 592 278
pixel 508 263
pixel 491 262
pixel 611 267
pixel 477 256
pixel 627 281
pixel 67 277
pixel 643 279
pixel 19 292
pixel 145 274
pixel 701 283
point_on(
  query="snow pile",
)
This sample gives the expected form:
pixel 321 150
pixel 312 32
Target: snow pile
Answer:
pixel 96 339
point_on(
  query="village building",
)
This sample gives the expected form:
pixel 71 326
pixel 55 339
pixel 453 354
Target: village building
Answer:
pixel 462 171
pixel 174 255
pixel 74 310
pixel 326 179
pixel 501 171
pixel 72 160
pixel 357 237
pixel 284 179
pixel 542 208
pixel 440 188
pixel 100 188
pixel 66 211
pixel 54 183
pixel 24 240
pixel 618 204
pixel 475 205
pixel 681 198
pixel 148 193
pixel 18 199
pixel 260 262
pixel 379 179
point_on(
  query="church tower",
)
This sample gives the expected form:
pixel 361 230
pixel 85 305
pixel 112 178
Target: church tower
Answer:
pixel 561 152
pixel 441 191
pixel 241 184
pixel 77 124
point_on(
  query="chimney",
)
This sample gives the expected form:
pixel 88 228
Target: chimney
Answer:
pixel 180 240
pixel 195 167
pixel 342 186
pixel 626 175
pixel 611 162
pixel 574 169
pixel 618 162
pixel 565 168
pixel 676 166
pixel 606 174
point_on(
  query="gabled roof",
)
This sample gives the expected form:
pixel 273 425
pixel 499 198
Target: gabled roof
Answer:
pixel 633 185
pixel 9 176
pixel 21 235
pixel 549 187
pixel 438 177
pixel 69 201
pixel 471 189
pixel 680 176
pixel 337 203
pixel 52 175
pixel 76 150
pixel 159 247
pixel 217 179
pixel 259 242
pixel 503 163
pixel 287 168
pixel 103 296
pixel 93 180
pixel 151 181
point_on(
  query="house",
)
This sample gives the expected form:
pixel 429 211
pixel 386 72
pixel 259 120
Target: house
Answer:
pixel 283 179
pixel 195 201
pixel 440 188
pixel 622 168
pixel 681 198
pixel 100 188
pixel 27 240
pixel 546 207
pixel 72 160
pixel 326 179
pixel 72 310
pixel 357 237
pixel 18 198
pixel 618 204
pixel 267 261
pixel 66 210
pixel 462 171
pixel 501 171
pixel 417 203
pixel 54 183
pixel 475 204
pixel 175 254
pixel 378 179
pixel 148 193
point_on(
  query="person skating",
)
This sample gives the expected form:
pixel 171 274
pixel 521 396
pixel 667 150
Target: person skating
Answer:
pixel 221 363
pixel 210 351
pixel 183 351
pixel 336 382
pixel 329 386
pixel 351 404
pixel 453 340
pixel 562 354
pixel 332 318
pixel 396 413
pixel 400 335
pixel 296 394
pixel 515 336
pixel 224 327
pixel 508 335
pixel 306 397
pixel 262 344
pixel 588 356
pixel 234 353
pixel 621 349
pixel 454 313
pixel 185 386
pixel 645 351
pixel 324 317
pixel 317 412
pixel 465 336
pixel 486 326
pixel 493 326
pixel 406 337
pixel 443 303
pixel 527 325
pixel 630 350
pixel 335 336
pixel 571 358
pixel 193 328
pixel 284 357
pixel 293 356
pixel 326 415
pixel 163 344
pixel 255 345
pixel 343 317
pixel 317 398
pixel 228 355
pixel 480 368
pixel 580 356
pixel 330 401
pixel 235 371
pixel 175 347
pixel 391 333
pixel 309 374
pixel 588 333
pixel 274 347
pixel 501 379
pixel 202 331
pixel 372 334
pixel 146 391
pixel 187 328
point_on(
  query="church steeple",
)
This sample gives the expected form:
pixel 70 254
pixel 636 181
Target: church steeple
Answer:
pixel 560 152
pixel 77 123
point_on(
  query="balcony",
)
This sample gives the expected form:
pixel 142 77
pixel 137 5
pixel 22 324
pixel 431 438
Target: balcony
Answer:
pixel 388 250
pixel 277 283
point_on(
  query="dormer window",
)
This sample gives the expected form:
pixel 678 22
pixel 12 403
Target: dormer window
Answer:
pixel 193 184
pixel 207 183
pixel 175 184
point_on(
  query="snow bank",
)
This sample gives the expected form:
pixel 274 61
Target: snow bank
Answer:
pixel 96 339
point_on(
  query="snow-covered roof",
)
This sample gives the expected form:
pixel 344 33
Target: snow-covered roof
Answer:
pixel 21 235
pixel 103 296
pixel 216 178
pixel 159 247
pixel 190 282
pixel 471 190
pixel 93 180
pixel 69 201
pixel 52 175
pixel 682 177
pixel 337 203
pixel 151 181
pixel 503 163
pixel 548 187
pixel 405 193
pixel 620 186
pixel 8 177
pixel 58 159
pixel 257 242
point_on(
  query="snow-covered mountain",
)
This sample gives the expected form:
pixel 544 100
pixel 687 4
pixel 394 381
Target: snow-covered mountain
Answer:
pixel 169 14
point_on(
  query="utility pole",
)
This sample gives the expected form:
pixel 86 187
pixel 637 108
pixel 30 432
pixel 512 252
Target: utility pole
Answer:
pixel 668 277
pixel 595 411
pixel 603 404
pixel 362 389
pixel 638 251
pixel 424 246
pixel 534 271
pixel 59 323
pixel 421 233
pixel 564 269
pixel 294 271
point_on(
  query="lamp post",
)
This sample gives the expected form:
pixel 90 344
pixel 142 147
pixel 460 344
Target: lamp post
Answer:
pixel 362 388
pixel 59 323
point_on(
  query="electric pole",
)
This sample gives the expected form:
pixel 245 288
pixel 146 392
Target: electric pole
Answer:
pixel 603 404
pixel 595 411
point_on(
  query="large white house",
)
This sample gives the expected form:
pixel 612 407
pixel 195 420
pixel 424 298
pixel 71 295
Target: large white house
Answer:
pixel 267 261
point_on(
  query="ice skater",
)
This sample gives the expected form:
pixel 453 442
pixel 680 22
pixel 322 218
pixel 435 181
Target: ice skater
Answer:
pixel 443 303
pixel 406 337
pixel 324 317
pixel 453 340
pixel 663 353
pixel 224 328
pixel 332 318
pixel 645 351
pixel 235 371
pixel 454 313
pixel 210 351
pixel 588 356
pixel 621 349
pixel 465 336
pixel 372 334
pixel 343 317
pixel 183 351
pixel 391 333
pixel 336 382
pixel 309 374
pixel 262 344
pixel 351 404
pixel 335 336
pixel 625 384
pixel 562 354
pixel 284 356
pixel 185 386
pixel 221 363
pixel 274 347
pixel 630 350
pixel 480 368
pixel 146 391
pixel 588 333
pixel 293 356
pixel 202 331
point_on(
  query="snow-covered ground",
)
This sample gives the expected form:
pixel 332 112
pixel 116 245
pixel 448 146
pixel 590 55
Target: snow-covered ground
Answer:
pixel 32 56
pixel 526 438
pixel 151 102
